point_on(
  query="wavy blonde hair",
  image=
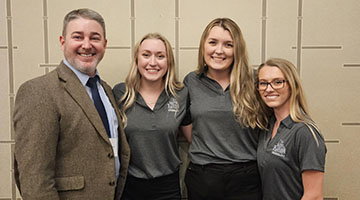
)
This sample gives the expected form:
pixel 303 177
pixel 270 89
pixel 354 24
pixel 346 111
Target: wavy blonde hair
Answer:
pixel 242 90
pixel 133 78
pixel 299 111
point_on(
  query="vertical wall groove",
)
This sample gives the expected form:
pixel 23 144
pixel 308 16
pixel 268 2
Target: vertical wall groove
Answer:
pixel 263 31
pixel 299 37
pixel 11 89
pixel 46 35
pixel 177 37
pixel 10 61
pixel 132 26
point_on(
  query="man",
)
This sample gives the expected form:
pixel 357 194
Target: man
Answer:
pixel 67 147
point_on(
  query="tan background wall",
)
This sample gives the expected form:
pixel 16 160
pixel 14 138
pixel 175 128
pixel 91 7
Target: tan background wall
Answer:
pixel 322 37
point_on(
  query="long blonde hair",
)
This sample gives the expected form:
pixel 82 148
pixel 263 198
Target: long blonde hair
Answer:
pixel 299 111
pixel 133 78
pixel 242 90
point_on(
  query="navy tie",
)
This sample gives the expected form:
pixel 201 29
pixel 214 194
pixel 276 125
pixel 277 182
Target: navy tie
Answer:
pixel 98 103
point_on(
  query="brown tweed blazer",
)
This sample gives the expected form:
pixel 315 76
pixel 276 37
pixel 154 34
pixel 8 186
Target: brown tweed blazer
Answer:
pixel 62 150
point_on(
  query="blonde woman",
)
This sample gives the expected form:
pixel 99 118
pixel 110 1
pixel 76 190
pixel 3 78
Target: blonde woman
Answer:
pixel 223 109
pixel 154 106
pixel 291 153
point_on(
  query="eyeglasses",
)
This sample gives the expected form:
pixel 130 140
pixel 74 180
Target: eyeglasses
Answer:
pixel 275 84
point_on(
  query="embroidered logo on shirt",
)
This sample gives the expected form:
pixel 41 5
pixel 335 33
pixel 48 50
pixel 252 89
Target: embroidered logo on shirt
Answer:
pixel 279 149
pixel 173 105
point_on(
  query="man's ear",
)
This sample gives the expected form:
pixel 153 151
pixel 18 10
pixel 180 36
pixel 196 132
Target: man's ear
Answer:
pixel 105 43
pixel 62 41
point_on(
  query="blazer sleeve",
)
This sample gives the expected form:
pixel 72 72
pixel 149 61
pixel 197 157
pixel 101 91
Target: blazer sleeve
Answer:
pixel 36 125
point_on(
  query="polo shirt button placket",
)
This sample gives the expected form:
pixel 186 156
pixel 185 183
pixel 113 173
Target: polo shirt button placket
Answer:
pixel 153 125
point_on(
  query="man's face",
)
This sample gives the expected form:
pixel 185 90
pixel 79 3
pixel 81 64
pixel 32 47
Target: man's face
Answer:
pixel 84 45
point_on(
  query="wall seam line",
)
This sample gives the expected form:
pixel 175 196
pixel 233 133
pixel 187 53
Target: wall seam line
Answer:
pixel 299 37
pixel 46 35
pixel 263 31
pixel 132 27
pixel 11 92
pixel 177 37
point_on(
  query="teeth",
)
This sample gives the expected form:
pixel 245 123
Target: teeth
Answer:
pixel 271 97
pixel 218 58
pixel 152 70
pixel 86 55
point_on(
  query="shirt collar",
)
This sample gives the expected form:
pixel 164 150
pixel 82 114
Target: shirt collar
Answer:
pixel 288 122
pixel 81 76
pixel 203 72
pixel 163 98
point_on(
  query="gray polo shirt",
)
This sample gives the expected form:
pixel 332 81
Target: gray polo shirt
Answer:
pixel 216 135
pixel 282 159
pixel 152 134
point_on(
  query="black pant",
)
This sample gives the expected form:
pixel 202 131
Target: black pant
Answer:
pixel 161 188
pixel 238 181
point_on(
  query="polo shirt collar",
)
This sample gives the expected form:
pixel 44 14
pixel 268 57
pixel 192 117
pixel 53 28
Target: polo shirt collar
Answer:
pixel 210 81
pixel 288 122
pixel 203 74
pixel 163 98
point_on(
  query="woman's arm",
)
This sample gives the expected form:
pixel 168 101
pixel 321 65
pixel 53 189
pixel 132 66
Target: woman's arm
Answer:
pixel 313 185
pixel 186 130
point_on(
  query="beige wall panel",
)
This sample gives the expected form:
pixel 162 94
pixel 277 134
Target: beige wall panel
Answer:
pixel 330 89
pixel 115 13
pixel 115 66
pixel 281 29
pixel 348 90
pixel 4 81
pixel 3 24
pixel 195 15
pixel 155 16
pixel 348 165
pixel 350 30
pixel 28 38
pixel 5 172
pixel 320 77
pixel 341 171
pixel 325 20
pixel 4 97
pixel 333 171
pixel 188 62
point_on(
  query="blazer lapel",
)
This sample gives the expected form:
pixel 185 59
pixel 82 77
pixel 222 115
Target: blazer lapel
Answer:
pixel 78 92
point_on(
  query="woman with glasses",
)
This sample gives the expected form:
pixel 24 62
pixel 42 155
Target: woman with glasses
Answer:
pixel 291 152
